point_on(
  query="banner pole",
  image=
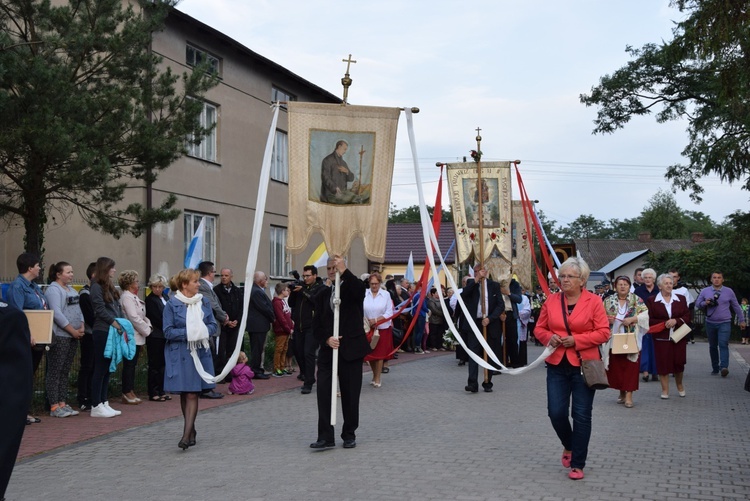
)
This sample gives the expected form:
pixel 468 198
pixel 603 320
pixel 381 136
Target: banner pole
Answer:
pixel 335 368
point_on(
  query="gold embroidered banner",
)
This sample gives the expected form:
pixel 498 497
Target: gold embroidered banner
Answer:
pixel 494 195
pixel 340 169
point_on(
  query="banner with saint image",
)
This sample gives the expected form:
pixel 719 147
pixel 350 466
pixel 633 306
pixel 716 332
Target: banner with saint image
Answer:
pixel 340 169
pixel 489 200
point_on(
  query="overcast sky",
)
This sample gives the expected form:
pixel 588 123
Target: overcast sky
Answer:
pixel 514 69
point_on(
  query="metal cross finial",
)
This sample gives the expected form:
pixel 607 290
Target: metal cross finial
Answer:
pixel 346 81
pixel 348 62
pixel 479 138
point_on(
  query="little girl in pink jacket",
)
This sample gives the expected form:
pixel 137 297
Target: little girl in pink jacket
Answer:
pixel 242 377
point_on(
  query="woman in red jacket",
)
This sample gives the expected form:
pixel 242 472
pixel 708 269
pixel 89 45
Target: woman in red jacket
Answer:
pixel 573 322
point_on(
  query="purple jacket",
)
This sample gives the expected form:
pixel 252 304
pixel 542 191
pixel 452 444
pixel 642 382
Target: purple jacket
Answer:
pixel 242 380
pixel 719 313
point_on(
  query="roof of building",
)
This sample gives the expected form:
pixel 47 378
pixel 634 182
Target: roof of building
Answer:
pixel 622 260
pixel 403 238
pixel 599 253
pixel 218 35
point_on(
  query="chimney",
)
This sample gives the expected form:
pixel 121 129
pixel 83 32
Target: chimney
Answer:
pixel 644 236
pixel 696 237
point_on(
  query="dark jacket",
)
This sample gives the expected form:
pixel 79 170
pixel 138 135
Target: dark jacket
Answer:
pixel 495 306
pixel 354 343
pixel 302 303
pixel 260 314
pixel 155 313
pixel 231 302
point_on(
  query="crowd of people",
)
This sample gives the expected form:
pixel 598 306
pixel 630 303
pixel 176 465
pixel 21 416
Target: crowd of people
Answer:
pixel 191 334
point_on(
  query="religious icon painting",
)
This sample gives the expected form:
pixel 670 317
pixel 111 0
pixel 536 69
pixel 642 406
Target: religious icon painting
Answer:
pixel 341 167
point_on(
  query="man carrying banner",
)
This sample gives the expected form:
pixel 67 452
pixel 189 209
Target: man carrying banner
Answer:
pixel 352 345
pixel 487 317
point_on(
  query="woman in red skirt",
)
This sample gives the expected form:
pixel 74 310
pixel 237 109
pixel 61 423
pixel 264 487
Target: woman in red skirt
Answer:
pixel 626 313
pixel 378 307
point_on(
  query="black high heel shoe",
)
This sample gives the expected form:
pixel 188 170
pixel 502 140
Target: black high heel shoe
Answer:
pixel 183 445
pixel 191 441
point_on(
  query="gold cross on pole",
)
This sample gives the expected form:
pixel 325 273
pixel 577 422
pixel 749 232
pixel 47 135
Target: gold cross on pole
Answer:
pixel 346 81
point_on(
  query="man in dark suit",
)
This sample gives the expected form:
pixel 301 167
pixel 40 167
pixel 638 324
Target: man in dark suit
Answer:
pixel 206 287
pixel 488 317
pixel 511 299
pixel 302 302
pixel 260 316
pixel 231 299
pixel 15 386
pixel 352 346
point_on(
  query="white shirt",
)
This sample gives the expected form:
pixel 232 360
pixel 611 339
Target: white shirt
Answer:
pixel 379 306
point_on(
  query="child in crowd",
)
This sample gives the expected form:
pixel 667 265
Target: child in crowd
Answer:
pixel 282 328
pixel 242 377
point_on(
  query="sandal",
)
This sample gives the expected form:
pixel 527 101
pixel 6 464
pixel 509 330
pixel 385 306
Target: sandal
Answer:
pixel 32 420
pixel 385 370
pixel 158 398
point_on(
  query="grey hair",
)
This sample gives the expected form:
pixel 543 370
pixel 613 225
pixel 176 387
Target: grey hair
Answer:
pixel 662 277
pixel 579 265
pixel 157 279
pixel 648 271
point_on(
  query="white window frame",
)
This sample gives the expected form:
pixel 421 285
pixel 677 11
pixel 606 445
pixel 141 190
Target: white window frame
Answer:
pixel 280 157
pixel 206 148
pixel 195 56
pixel 279 262
pixel 191 220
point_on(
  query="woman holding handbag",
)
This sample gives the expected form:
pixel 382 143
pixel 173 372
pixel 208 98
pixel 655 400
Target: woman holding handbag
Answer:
pixel 574 323
pixel 378 309
pixel 627 314
pixel 666 313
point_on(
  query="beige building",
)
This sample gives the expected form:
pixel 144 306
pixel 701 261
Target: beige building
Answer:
pixel 217 181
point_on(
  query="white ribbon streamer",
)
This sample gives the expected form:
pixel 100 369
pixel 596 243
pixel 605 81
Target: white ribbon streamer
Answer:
pixel 252 253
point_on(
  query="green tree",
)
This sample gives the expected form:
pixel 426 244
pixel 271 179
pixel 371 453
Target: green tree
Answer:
pixel 86 109
pixel 411 214
pixel 550 227
pixel 700 76
pixel 663 217
pixel 626 229
pixel 585 227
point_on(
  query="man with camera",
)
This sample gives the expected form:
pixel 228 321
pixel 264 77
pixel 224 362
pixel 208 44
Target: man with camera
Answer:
pixel 716 301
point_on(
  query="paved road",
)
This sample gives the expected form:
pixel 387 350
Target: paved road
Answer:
pixel 423 437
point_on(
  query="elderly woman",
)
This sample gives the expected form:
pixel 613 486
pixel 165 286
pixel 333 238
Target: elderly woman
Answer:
pixel 155 343
pixel 644 291
pixel 668 311
pixel 378 309
pixel 188 323
pixel 574 323
pixel 626 313
pixel 134 310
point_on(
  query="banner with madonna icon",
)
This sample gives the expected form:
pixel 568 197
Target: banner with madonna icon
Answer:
pixel 493 196
pixel 340 169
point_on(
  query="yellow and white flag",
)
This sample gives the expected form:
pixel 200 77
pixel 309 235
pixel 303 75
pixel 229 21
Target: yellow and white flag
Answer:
pixel 340 169
pixel 493 196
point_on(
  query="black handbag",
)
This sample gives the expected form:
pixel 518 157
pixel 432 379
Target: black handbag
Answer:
pixel 592 371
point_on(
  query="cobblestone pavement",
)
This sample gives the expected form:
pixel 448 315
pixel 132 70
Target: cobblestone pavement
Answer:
pixel 422 437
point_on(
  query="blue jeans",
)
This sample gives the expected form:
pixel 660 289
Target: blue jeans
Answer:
pixel 718 335
pixel 564 381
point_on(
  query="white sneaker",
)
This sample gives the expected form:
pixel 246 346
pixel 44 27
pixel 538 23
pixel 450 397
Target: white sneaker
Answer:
pixel 101 411
pixel 114 411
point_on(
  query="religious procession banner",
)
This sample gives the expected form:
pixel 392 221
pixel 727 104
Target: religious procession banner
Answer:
pixel 491 198
pixel 340 169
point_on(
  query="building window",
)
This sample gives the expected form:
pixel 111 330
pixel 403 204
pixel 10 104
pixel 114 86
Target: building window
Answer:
pixel 192 222
pixel 280 158
pixel 205 148
pixel 279 265
pixel 281 95
pixel 195 57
